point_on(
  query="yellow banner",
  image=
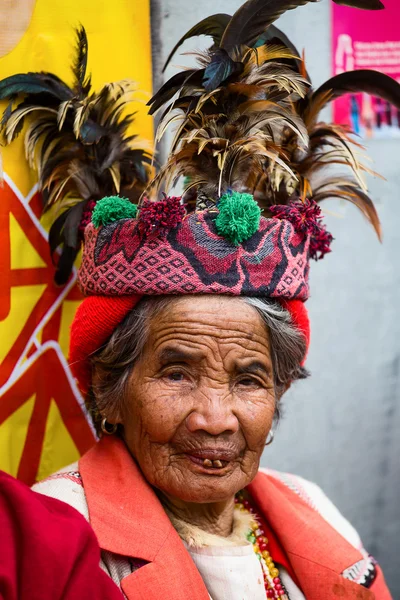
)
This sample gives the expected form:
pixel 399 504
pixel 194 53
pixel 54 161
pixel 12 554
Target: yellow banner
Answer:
pixel 42 424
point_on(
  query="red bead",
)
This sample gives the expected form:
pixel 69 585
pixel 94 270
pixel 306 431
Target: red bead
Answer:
pixel 276 580
pixel 270 593
pixel 263 546
pixel 279 590
pixel 246 503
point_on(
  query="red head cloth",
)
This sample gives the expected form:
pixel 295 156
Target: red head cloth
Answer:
pixel 94 322
pixel 98 316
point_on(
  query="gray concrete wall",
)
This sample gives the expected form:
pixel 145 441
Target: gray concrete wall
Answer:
pixel 341 427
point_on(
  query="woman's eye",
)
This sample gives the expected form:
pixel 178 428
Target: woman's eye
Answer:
pixel 248 381
pixel 175 376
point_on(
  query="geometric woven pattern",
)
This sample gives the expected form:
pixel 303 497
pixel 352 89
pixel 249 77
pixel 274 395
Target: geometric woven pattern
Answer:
pixel 194 259
pixel 363 572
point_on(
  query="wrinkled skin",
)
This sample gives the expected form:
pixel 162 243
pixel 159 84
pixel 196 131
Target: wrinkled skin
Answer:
pixel 203 388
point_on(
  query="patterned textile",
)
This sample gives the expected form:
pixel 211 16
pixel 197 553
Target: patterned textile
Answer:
pixel 193 259
pixel 363 572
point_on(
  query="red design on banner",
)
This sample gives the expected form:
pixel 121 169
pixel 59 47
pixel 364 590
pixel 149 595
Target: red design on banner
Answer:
pixel 32 363
pixel 45 376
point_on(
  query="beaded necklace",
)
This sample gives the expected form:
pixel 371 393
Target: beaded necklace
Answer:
pixel 272 582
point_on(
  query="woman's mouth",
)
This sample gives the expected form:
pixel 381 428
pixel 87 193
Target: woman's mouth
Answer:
pixel 208 463
pixel 213 459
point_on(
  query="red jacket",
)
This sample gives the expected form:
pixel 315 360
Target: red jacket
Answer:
pixel 47 549
pixel 130 522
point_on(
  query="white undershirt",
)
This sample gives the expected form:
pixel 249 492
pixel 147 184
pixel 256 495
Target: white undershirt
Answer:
pixel 235 573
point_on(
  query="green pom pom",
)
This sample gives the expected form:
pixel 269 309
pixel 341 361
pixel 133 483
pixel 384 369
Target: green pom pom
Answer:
pixel 239 217
pixel 112 208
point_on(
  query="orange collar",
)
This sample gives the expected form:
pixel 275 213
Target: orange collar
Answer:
pixel 129 520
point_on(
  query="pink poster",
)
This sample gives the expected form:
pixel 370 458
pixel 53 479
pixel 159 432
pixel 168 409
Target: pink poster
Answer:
pixel 367 40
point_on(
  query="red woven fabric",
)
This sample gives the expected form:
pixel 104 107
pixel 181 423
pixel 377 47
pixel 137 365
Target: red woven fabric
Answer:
pixel 193 258
pixel 98 316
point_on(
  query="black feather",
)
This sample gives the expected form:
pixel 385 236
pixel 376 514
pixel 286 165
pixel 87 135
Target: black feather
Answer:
pixel 52 131
pixel 364 4
pixel 70 230
pixel 74 166
pixel 213 26
pixel 364 80
pixel 219 69
pixel 7 112
pixel 91 132
pixel 170 87
pixel 65 265
pixel 251 20
pixel 255 16
pixel 56 232
pixel 34 83
pixel 138 159
pixel 64 231
pixel 80 65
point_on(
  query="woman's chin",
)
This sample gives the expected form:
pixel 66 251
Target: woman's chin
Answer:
pixel 203 489
pixel 194 495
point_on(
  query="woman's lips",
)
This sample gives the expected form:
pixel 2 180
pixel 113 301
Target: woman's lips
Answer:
pixel 208 463
pixel 212 459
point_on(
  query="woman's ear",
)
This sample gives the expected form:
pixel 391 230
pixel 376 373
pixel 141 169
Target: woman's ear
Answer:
pixel 106 409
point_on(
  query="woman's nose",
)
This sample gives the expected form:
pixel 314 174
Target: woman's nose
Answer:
pixel 214 416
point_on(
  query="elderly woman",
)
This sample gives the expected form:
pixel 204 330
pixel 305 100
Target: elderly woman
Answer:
pixel 194 326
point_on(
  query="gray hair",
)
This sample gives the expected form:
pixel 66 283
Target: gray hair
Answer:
pixel 113 363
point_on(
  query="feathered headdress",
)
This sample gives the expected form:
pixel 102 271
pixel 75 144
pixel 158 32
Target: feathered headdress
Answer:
pixel 248 140
pixel 248 121
pixel 78 141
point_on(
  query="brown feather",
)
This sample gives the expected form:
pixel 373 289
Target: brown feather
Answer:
pixel 258 130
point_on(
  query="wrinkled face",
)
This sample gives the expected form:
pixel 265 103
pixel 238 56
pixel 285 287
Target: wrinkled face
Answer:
pixel 201 400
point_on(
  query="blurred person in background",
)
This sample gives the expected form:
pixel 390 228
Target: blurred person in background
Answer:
pixel 47 549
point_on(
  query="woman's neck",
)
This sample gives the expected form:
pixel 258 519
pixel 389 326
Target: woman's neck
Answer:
pixel 215 518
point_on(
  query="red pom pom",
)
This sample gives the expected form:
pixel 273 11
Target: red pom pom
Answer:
pixel 86 217
pixel 159 217
pixel 304 216
pixel 306 219
pixel 320 243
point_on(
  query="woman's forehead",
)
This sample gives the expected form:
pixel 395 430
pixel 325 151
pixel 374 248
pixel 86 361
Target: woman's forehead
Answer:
pixel 214 314
pixel 199 323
